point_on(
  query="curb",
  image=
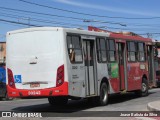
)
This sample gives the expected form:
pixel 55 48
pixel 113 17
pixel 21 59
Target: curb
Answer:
pixel 153 106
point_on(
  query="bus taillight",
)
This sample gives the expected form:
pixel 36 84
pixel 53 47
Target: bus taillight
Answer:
pixel 10 78
pixel 60 76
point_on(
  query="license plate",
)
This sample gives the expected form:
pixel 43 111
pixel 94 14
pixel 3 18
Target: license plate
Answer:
pixel 34 92
pixel 33 85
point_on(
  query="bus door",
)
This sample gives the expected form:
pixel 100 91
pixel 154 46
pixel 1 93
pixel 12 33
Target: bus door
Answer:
pixel 122 65
pixel 89 63
pixel 150 55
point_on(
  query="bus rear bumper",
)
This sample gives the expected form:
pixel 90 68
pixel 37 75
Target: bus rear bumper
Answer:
pixel 56 91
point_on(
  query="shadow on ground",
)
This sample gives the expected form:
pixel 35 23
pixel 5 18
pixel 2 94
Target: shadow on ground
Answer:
pixel 75 105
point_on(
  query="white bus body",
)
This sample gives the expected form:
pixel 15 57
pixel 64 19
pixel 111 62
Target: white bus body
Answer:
pixel 38 63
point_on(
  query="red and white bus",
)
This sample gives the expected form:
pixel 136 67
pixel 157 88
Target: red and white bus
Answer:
pixel 62 63
pixel 135 58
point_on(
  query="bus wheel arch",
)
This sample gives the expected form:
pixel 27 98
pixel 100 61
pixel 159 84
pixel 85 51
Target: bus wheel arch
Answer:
pixel 145 77
pixel 105 80
pixel 144 87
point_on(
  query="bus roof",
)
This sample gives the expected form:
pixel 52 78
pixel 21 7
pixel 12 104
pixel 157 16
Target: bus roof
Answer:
pixel 121 35
pixel 129 37
pixel 70 30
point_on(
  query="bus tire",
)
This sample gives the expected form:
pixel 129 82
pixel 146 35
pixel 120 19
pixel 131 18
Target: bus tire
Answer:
pixel 144 89
pixel 58 101
pixel 103 98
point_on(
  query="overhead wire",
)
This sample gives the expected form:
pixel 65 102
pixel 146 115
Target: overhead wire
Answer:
pixel 54 22
pixel 74 18
pixel 82 13
pixel 51 22
pixel 9 21
pixel 38 20
pixel 66 17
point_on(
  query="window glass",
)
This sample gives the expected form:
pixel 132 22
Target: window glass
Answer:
pixel 69 43
pixel 111 45
pixel 111 51
pixel 132 51
pixel 128 46
pixel 78 55
pixel 111 56
pixel 141 56
pixel 98 50
pixel 132 46
pixel 104 57
pixel 141 46
pixel 102 44
pixel 74 49
pixel 132 56
pixel 75 42
pixel 98 45
pixel 141 51
pixel 101 50
pixel 105 54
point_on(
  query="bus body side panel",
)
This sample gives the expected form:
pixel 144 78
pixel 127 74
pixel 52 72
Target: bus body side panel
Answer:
pixel 114 77
pixel 76 77
pixel 102 72
pixel 114 82
pixel 143 71
pixel 34 57
pixel 135 75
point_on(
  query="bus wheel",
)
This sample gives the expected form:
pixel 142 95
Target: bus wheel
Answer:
pixel 144 88
pixel 103 99
pixel 58 101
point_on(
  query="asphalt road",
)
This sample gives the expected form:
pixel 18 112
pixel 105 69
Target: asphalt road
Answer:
pixel 122 102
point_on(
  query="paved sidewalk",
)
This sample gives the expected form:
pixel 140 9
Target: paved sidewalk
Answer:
pixel 154 106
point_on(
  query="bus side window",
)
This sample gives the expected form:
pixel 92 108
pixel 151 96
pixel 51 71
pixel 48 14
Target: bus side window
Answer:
pixel 74 49
pixel 111 50
pixel 101 50
pixel 131 46
pixel 141 52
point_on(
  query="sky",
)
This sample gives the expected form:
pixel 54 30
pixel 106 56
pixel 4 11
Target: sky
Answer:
pixel 138 16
